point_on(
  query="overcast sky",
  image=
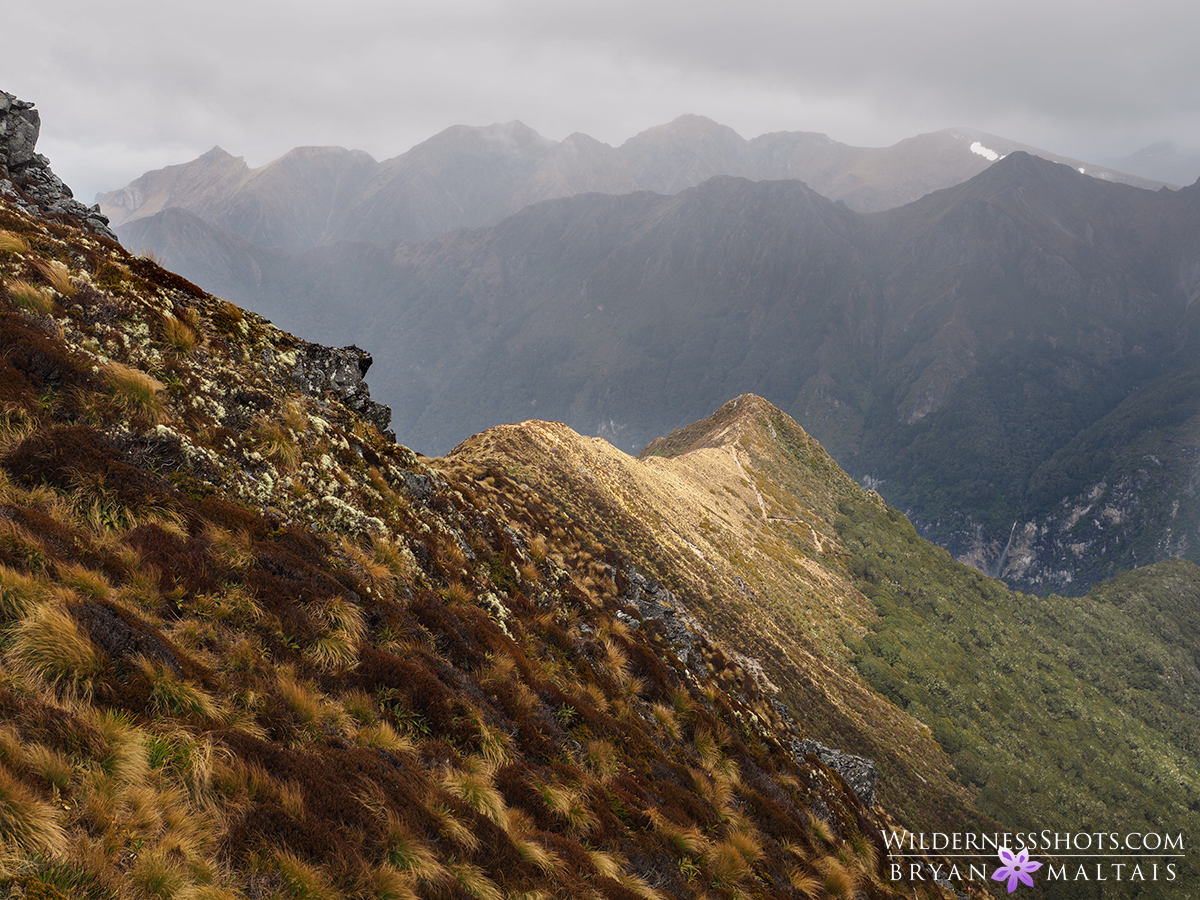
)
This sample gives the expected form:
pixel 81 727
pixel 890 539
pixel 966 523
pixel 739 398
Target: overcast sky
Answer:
pixel 126 86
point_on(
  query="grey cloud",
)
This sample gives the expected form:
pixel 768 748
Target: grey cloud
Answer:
pixel 130 84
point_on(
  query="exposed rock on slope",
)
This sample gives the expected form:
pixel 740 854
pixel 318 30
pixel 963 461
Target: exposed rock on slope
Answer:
pixel 25 176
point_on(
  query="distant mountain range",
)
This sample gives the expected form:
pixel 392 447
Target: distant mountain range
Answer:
pixel 466 177
pixel 1164 161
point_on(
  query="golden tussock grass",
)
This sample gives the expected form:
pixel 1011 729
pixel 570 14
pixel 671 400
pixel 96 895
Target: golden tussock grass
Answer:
pixel 139 394
pixel 52 765
pixel 276 443
pixel 179 335
pixel 294 417
pixel 838 881
pixel 291 798
pixel 304 880
pixel 128 760
pixel 19 593
pixel 157 877
pixel 233 549
pixel 382 736
pixel 665 718
pixel 727 768
pixel 474 881
pixel 336 650
pixel 537 548
pixel 820 829
pixel 688 840
pixel 16 424
pixel 805 883
pixel 473 784
pixel 614 664
pixel 495 746
pixel 172 696
pixel 453 828
pixel 13 243
pixel 12 747
pixel 389 883
pixel 47 644
pixel 570 803
pixel 212 892
pixel 610 865
pixel 398 561
pixel 27 824
pixel 716 791
pixel 196 760
pixel 863 854
pixel 747 842
pixel 383 565
pixel 84 581
pixel 31 297
pixel 57 275
pixel 535 854
pixel 708 751
pixel 410 855
pixel 728 865
pixel 640 886
pixel 602 759
pixel 236 605
pixel 360 706
pixel 457 594
pixel 453 557
pixel 314 711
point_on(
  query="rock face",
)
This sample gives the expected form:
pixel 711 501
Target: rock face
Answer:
pixel 653 601
pixel 858 771
pixel 320 369
pixel 25 176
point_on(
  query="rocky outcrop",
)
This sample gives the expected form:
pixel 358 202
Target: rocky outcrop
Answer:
pixel 857 771
pixel 25 176
pixel 653 601
pixel 320 369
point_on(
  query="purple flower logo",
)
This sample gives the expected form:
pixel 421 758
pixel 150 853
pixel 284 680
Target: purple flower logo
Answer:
pixel 1015 868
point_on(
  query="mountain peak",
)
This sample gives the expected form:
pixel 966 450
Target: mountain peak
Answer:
pixel 689 127
pixel 724 427
pixel 217 154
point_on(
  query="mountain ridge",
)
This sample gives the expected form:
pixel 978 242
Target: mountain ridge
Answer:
pixel 472 176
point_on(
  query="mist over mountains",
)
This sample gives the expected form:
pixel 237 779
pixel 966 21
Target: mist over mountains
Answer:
pixel 466 177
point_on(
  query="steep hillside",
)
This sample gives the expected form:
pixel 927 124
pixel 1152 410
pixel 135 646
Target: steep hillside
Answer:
pixel 254 648
pixel 1041 713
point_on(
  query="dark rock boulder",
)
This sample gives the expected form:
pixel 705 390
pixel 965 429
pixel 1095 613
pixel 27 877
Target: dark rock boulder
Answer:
pixel 25 176
pixel 857 771
pixel 653 601
pixel 320 369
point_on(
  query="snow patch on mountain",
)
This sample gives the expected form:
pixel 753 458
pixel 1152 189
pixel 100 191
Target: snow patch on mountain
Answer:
pixel 989 155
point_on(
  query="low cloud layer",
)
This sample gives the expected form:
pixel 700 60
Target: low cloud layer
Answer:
pixel 131 85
